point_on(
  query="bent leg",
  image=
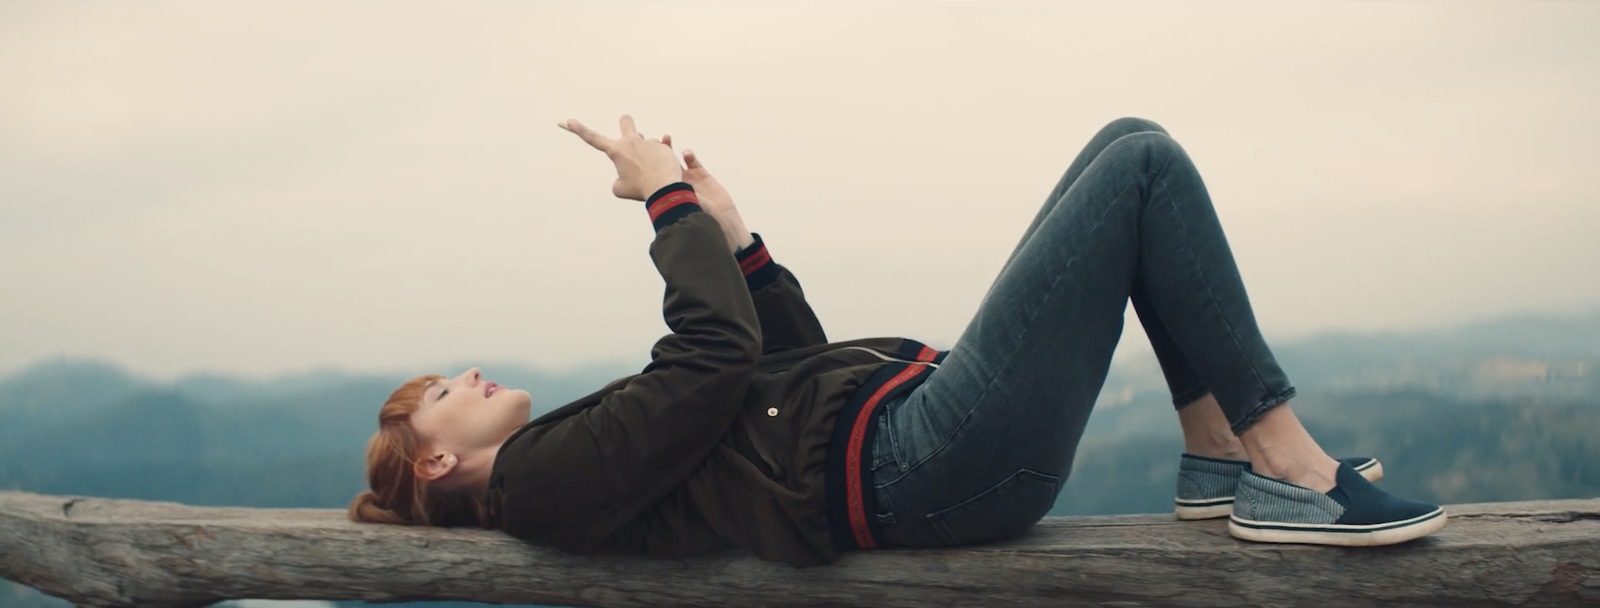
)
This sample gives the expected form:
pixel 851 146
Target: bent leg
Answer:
pixel 1001 419
pixel 1183 381
pixel 1103 139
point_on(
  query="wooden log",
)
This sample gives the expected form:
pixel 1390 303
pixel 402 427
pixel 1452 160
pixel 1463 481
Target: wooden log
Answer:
pixel 102 552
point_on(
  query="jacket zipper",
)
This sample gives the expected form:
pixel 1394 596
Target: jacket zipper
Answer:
pixel 889 358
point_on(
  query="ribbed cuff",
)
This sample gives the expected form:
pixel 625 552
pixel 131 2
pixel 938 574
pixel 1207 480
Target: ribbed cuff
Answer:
pixel 671 203
pixel 756 264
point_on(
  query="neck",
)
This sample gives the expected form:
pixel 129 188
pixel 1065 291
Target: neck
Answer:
pixel 474 476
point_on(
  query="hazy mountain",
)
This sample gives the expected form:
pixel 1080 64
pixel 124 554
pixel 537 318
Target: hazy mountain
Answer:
pixel 57 390
pixel 1526 335
pixel 1524 355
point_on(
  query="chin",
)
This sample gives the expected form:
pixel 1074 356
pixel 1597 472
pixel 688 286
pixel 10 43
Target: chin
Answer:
pixel 522 400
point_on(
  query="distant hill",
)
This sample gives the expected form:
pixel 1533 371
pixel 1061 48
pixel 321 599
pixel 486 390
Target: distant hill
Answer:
pixel 1556 356
pixel 1547 354
pixel 54 391
pixel 1524 335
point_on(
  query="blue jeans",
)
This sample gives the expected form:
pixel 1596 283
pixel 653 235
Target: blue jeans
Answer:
pixel 979 451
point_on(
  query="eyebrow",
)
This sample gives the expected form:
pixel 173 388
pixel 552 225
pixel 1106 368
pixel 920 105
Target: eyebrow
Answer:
pixel 425 388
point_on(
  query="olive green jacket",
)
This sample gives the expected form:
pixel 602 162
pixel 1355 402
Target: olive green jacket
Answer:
pixel 732 435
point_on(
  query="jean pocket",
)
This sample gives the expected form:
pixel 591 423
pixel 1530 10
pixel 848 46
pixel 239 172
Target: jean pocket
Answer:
pixel 883 452
pixel 1005 510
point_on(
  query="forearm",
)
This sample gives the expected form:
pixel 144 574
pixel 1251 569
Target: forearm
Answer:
pixel 787 320
pixel 733 228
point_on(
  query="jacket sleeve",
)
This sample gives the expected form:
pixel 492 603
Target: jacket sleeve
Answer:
pixel 600 468
pixel 787 320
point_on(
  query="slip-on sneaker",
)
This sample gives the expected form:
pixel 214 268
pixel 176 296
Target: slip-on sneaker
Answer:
pixel 1206 485
pixel 1355 513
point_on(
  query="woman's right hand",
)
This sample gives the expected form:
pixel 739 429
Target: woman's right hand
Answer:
pixel 643 165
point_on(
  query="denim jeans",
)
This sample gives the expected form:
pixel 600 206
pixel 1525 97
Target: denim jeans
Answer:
pixel 979 451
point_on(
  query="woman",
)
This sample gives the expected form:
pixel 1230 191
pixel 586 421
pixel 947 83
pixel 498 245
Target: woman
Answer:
pixel 750 429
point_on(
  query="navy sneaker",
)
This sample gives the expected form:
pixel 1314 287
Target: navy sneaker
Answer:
pixel 1355 513
pixel 1206 485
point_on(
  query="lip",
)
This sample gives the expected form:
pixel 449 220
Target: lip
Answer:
pixel 490 388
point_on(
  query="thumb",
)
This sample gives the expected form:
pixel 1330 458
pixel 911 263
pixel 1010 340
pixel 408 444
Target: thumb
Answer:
pixel 691 160
pixel 618 190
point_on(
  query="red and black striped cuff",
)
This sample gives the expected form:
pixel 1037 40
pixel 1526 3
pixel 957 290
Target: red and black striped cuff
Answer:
pixel 756 264
pixel 671 203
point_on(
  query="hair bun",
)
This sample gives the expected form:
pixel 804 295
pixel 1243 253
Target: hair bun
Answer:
pixel 364 508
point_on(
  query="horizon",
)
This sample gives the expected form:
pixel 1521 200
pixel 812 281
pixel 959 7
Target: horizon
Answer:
pixel 1126 355
pixel 272 189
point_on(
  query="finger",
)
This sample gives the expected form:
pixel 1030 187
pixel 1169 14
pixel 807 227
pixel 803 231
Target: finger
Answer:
pixel 628 130
pixel 692 160
pixel 666 138
pixel 589 136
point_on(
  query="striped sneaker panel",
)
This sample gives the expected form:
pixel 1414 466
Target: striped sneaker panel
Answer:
pixel 1207 481
pixel 1268 500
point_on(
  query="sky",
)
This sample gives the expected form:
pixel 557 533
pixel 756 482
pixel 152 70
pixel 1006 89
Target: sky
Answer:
pixel 262 188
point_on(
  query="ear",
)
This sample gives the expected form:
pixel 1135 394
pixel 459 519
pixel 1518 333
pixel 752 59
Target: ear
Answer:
pixel 435 466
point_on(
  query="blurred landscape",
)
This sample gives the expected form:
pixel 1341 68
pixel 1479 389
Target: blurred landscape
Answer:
pixel 1499 410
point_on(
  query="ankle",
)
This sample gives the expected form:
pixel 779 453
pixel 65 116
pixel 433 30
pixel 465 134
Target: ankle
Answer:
pixel 1316 471
pixel 1206 431
pixel 1220 448
pixel 1281 448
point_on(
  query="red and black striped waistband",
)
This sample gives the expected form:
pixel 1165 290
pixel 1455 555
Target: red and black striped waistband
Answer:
pixel 852 505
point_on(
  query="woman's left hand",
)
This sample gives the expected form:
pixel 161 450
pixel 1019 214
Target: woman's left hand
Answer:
pixel 714 198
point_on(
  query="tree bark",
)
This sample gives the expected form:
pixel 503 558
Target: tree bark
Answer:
pixel 102 552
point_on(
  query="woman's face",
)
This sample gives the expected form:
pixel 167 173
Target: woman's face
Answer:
pixel 466 413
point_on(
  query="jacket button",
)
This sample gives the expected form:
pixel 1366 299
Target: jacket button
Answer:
pixel 772 411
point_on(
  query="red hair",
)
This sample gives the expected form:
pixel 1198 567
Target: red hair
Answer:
pixel 396 494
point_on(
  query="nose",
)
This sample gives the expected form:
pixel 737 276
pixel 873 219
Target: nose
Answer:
pixel 471 376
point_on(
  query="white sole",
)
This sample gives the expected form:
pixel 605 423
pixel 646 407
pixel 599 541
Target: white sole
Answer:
pixel 1191 512
pixel 1336 534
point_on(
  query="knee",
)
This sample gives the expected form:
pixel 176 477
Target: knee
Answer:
pixel 1129 125
pixel 1153 149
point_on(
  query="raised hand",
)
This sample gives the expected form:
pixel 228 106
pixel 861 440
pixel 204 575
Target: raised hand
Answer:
pixel 643 165
pixel 714 199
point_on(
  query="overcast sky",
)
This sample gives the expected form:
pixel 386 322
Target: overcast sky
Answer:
pixel 259 188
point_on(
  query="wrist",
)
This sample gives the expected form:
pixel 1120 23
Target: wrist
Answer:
pixel 653 186
pixel 739 239
pixel 756 264
pixel 670 203
pixel 733 228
